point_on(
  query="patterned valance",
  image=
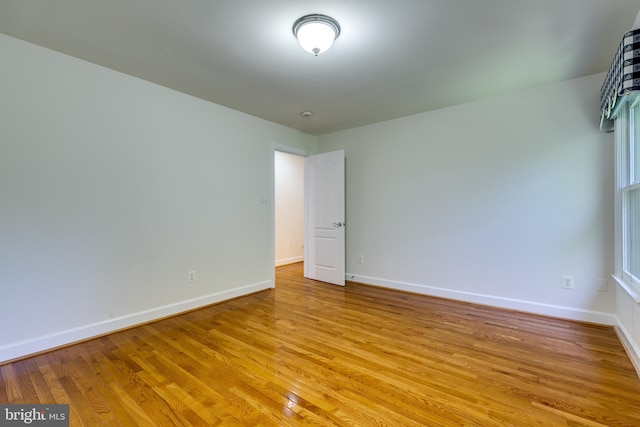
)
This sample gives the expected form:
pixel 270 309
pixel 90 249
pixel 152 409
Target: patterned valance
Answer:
pixel 623 77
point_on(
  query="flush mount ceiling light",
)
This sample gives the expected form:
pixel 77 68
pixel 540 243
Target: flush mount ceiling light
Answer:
pixel 316 33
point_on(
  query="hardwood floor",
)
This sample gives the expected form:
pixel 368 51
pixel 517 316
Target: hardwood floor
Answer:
pixel 308 353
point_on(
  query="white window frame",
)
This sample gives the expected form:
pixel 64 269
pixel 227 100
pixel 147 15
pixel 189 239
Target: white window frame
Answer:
pixel 627 132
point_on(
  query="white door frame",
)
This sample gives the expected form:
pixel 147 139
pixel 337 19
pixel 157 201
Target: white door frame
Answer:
pixel 272 247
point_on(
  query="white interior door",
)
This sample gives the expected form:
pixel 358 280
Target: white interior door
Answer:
pixel 324 255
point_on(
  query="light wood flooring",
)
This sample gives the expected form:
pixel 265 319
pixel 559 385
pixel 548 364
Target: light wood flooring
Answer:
pixel 308 353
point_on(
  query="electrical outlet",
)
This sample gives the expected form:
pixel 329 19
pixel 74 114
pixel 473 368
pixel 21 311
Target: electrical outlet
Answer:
pixel 567 282
pixel 191 276
pixel 360 259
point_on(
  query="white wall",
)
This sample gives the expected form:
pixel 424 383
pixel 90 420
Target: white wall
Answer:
pixel 491 201
pixel 112 189
pixel 289 208
pixel 628 320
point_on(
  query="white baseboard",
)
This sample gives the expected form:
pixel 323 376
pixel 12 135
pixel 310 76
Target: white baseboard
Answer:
pixel 285 261
pixel 490 300
pixel 627 342
pixel 36 345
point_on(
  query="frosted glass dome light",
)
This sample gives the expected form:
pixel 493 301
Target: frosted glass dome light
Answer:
pixel 316 33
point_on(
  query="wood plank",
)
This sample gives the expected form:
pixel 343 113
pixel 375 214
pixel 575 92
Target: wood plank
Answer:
pixel 316 354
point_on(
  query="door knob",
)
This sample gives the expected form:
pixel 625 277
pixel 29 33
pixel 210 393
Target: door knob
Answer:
pixel 338 224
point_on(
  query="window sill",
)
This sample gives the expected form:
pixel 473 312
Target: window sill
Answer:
pixel 629 288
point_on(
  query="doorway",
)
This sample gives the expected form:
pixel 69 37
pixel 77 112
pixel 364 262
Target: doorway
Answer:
pixel 288 208
pixel 317 183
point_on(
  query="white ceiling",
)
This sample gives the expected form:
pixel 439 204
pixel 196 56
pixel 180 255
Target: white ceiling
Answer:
pixel 393 58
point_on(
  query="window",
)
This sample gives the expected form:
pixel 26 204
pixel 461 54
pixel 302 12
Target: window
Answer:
pixel 628 191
